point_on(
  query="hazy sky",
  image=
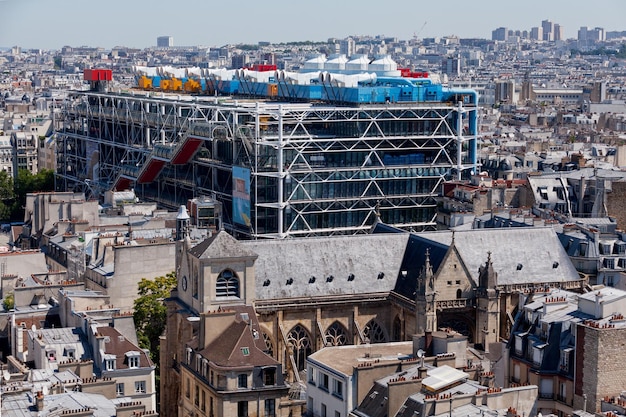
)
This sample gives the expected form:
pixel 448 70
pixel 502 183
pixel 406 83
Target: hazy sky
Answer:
pixel 51 24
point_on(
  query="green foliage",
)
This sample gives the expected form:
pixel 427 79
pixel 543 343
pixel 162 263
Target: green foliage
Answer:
pixel 7 195
pixel 620 53
pixel 25 183
pixel 9 302
pixel 150 312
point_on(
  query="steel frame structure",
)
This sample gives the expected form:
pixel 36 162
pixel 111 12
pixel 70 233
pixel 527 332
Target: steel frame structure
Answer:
pixel 315 168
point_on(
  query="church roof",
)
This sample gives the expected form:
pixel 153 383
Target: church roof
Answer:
pixel 413 261
pixel 221 245
pixel 332 265
pixel 520 255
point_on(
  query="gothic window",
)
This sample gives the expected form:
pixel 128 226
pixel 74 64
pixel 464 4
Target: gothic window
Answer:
pixel 300 342
pixel 269 348
pixel 336 335
pixel 459 293
pixel 374 333
pixel 397 329
pixel 227 284
pixel 195 282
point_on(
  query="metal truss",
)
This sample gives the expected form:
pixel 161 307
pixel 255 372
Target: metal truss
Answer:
pixel 315 168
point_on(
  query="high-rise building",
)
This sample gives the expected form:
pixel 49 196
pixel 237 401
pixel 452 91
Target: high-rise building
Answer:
pixel 548 30
pixel 536 34
pixel 500 34
pixel 558 32
pixel 165 41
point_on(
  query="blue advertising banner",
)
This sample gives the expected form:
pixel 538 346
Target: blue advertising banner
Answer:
pixel 241 195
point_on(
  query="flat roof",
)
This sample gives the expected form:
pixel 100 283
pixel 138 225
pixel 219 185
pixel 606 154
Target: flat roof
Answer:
pixel 342 359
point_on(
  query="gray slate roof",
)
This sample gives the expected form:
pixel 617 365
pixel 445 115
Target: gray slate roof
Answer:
pixel 364 256
pixel 536 249
pixel 221 245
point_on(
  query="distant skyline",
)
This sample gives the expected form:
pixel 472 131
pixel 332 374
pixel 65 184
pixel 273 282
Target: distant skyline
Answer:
pixel 52 24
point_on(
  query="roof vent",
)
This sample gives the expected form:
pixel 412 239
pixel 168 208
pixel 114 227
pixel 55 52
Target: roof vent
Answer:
pixel 351 277
pixel 555 264
pixel 311 280
pixel 519 267
pixel 266 283
pixel 290 281
pixel 381 275
pixel 330 278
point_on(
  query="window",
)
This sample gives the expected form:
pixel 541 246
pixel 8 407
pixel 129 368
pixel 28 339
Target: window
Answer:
pixel 187 389
pixel 270 408
pixel 109 362
pixel 196 396
pixel 242 409
pixel 323 410
pixel 133 361
pixel 323 381
pixel 70 353
pixel 337 414
pixel 311 375
pixel 338 388
pixel 140 387
pixel 119 389
pixel 227 284
pixel 336 335
pixel 374 333
pixel 300 341
pixel 203 401
pixel 242 381
pixel 269 376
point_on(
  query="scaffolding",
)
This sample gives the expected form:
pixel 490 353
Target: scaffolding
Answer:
pixel 279 169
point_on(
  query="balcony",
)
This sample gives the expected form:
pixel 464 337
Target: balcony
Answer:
pixel 546 395
pixel 563 399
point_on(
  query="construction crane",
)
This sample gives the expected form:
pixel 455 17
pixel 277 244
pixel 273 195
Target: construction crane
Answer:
pixel 416 34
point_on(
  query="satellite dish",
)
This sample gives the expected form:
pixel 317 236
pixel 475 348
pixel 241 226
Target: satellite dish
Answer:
pixel 6 375
pixel 33 328
pixel 420 353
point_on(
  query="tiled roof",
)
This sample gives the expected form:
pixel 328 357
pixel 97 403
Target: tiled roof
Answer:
pixel 118 345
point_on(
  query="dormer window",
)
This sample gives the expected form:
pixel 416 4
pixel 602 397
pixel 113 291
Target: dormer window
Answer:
pixel 109 362
pixel 70 353
pixel 269 376
pixel 132 359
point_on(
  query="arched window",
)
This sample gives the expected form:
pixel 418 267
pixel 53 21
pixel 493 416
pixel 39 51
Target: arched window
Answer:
pixel 300 342
pixel 459 293
pixel 269 347
pixel 374 333
pixel 336 335
pixel 227 284
pixel 195 282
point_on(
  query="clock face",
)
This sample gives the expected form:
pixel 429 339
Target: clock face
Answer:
pixel 184 283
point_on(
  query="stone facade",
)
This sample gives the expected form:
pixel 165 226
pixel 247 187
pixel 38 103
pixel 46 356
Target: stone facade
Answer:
pixel 616 203
pixel 600 365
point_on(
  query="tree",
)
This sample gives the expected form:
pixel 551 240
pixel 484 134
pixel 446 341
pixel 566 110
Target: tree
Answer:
pixel 9 302
pixel 7 195
pixel 150 312
pixel 25 183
